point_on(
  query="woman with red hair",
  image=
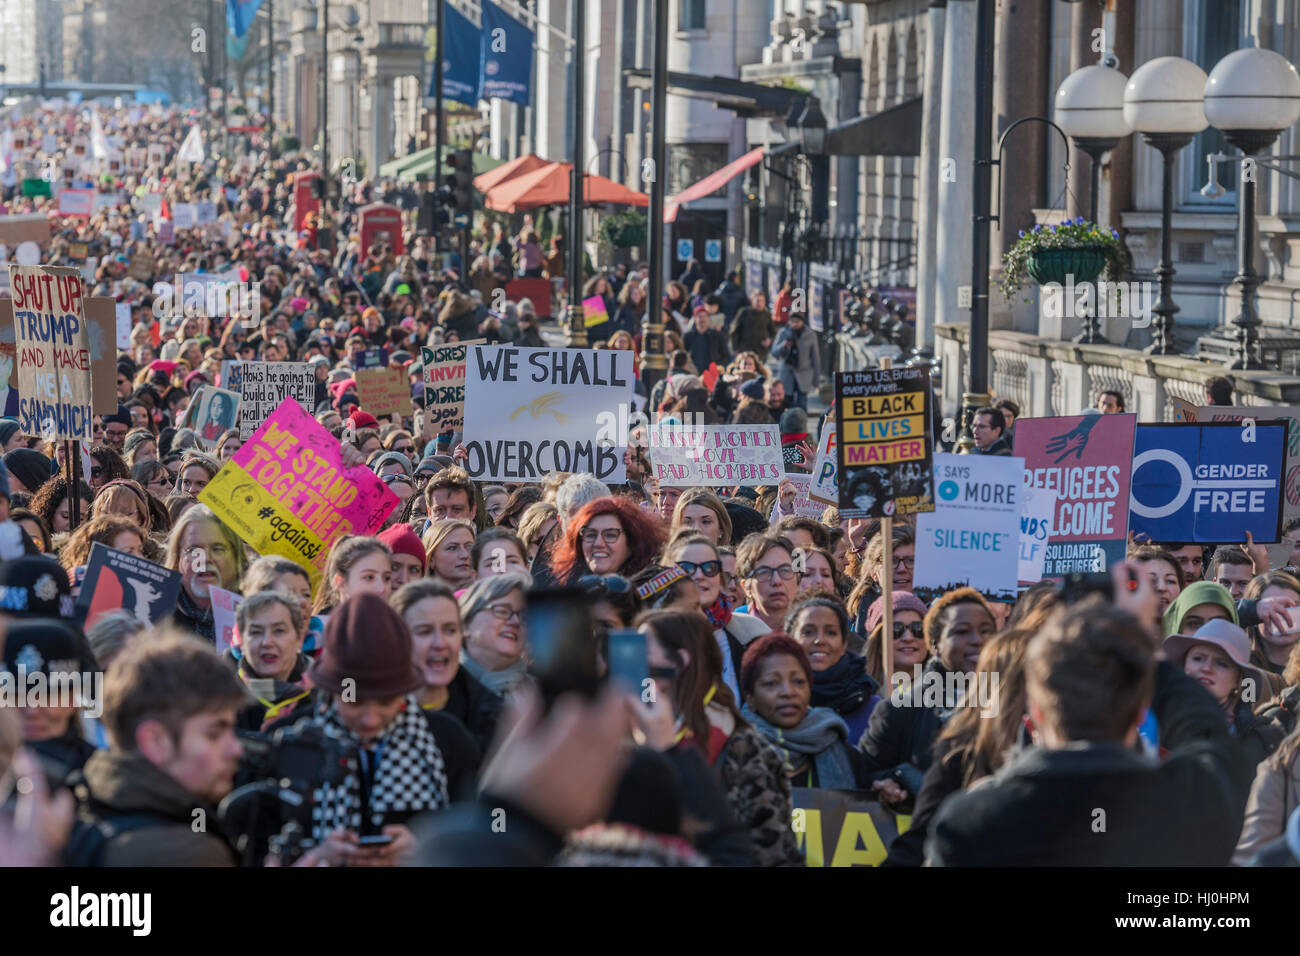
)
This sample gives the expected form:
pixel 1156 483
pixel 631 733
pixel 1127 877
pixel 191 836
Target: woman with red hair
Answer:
pixel 607 536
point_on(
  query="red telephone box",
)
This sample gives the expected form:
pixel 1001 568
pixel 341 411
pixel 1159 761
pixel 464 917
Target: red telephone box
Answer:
pixel 380 221
pixel 303 201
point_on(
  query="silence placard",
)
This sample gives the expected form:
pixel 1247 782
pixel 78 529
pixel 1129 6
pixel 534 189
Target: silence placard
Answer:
pixel 715 455
pixel 1208 483
pixel 52 343
pixel 529 412
pixel 884 450
pixel 1087 460
pixel 264 385
pixel 444 385
pixel 972 538
pixel 117 581
pixel 384 391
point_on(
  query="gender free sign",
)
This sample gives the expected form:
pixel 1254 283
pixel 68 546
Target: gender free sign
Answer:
pixel 529 412
pixel 1208 482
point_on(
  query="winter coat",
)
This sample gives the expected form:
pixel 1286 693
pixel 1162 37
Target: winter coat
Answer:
pixel 732 298
pixel 800 359
pixel 127 783
pixel 1041 808
pixel 753 777
pixel 476 707
pixel 899 737
pixel 705 347
pixel 190 617
pixel 749 329
pixel 1274 796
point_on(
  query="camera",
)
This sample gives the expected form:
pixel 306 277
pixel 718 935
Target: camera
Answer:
pixel 272 812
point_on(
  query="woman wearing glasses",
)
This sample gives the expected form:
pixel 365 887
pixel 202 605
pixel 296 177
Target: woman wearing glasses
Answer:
pixel 840 680
pixel 698 556
pixel 496 632
pixel 207 554
pixel 606 536
pixel 910 644
pixel 154 477
pixel 765 564
pixel 869 587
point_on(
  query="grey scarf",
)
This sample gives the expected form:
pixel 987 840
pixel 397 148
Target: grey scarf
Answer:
pixel 499 682
pixel 816 736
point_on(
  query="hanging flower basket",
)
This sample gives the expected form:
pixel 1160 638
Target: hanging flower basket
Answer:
pixel 1075 248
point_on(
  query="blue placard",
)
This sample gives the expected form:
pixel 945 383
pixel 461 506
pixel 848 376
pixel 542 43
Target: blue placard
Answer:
pixel 507 56
pixel 1208 483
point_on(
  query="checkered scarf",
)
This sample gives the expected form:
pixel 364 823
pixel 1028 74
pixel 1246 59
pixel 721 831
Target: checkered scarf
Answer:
pixel 411 776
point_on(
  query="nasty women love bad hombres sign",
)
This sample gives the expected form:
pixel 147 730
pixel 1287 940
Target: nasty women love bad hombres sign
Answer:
pixel 716 455
pixel 529 412
pixel 52 353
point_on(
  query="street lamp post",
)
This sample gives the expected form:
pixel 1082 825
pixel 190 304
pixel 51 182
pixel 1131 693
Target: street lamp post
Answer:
pixel 576 333
pixel 1164 101
pixel 1090 109
pixel 654 363
pixel 1252 95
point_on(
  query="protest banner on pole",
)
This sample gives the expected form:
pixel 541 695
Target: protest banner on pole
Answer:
pixel 843 827
pixel 286 491
pixel 117 581
pixel 384 391
pixel 1290 414
pixel 101 319
pixel 263 386
pixel 972 538
pixel 530 411
pixel 1037 506
pixel 211 412
pixel 1208 483
pixel 52 348
pixel 715 455
pixel 882 422
pixel 1087 460
pixel 444 385
pixel 824 487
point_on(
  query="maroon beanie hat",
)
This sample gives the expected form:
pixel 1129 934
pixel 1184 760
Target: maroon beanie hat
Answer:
pixel 402 540
pixel 367 642
pixel 903 601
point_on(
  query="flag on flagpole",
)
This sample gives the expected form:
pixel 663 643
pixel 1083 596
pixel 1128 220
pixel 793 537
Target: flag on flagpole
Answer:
pixel 191 150
pixel 240 14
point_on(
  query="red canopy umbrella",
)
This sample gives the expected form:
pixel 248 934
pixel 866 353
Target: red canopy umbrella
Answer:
pixel 549 186
pixel 516 167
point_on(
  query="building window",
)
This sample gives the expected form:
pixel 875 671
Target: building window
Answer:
pixel 1217 31
pixel 692 15
pixel 688 163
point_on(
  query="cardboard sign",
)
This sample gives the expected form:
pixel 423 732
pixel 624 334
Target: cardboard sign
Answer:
pixel 286 491
pixel 715 455
pixel 53 354
pixel 142 266
pixel 972 538
pixel 529 412
pixel 15 230
pixel 118 581
pixel 263 386
pixel 824 487
pixel 804 505
pixel 76 202
pixel 594 312
pixel 384 391
pixel 444 385
pixel 1208 483
pixel 1290 414
pixel 884 449
pixel 1087 460
pixel 843 827
pixel 224 605
pixel 101 317
pixel 1037 506
pixel 211 413
pixel 1184 411
pixel 122 316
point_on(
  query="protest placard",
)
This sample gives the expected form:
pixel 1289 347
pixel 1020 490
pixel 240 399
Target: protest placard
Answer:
pixel 142 266
pixel 529 412
pixel 76 202
pixel 1037 506
pixel 101 321
pixel 122 326
pixel 1208 483
pixel 804 505
pixel 1184 411
pixel 883 445
pixel 224 605
pixel 184 215
pixel 594 312
pixel 444 385
pixel 1087 460
pixel 211 413
pixel 370 358
pixel 717 455
pixel 286 491
pixel 843 827
pixel 1290 414
pixel 824 487
pixel 264 385
pixel 384 391
pixel 117 581
pixel 52 345
pixel 972 538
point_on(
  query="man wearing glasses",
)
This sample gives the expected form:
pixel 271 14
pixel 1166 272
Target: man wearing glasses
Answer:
pixel 989 429
pixel 115 428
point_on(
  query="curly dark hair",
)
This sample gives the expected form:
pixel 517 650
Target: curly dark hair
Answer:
pixel 645 535
pixel 46 501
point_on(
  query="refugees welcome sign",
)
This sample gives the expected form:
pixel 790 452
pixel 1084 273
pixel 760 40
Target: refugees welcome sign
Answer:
pixel 529 412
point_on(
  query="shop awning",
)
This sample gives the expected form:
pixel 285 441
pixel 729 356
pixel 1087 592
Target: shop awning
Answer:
pixel 740 96
pixel 508 170
pixel 549 186
pixel 712 182
pixel 892 132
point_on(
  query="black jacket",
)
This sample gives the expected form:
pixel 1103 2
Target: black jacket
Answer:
pixel 705 347
pixel 476 707
pixel 1103 804
pixel 190 617
pixel 898 738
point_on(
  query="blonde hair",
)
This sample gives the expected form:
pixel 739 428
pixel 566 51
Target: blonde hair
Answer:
pixel 531 521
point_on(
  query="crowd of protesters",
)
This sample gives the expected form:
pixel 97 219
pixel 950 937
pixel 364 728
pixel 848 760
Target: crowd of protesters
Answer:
pixel 1168 700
